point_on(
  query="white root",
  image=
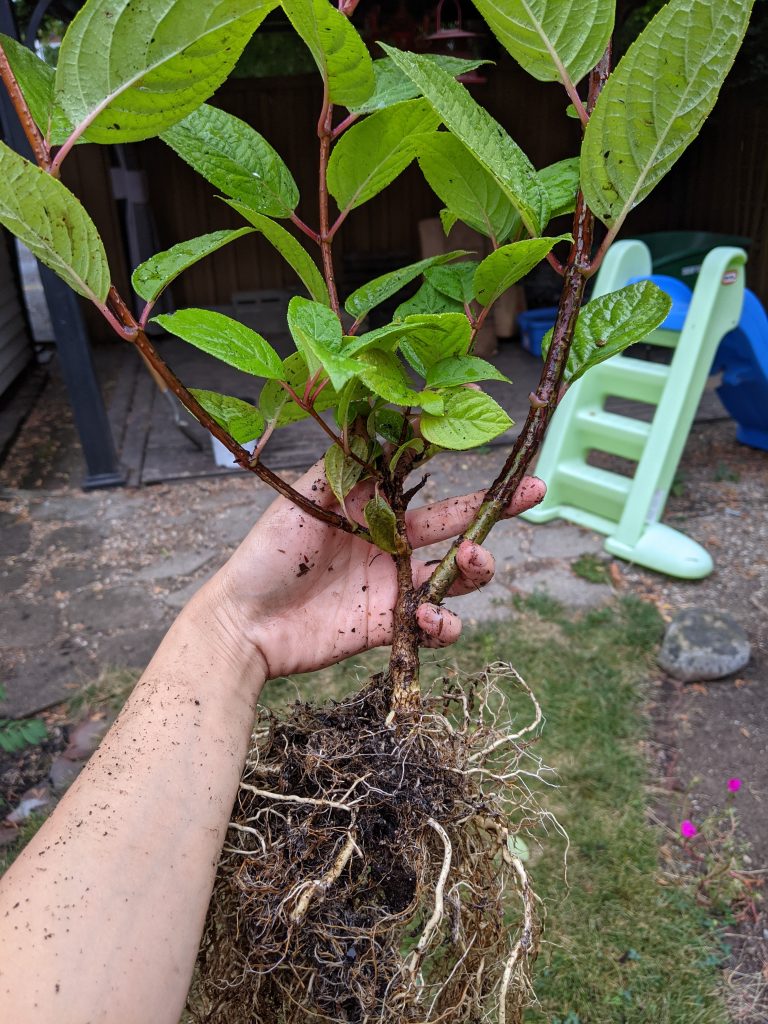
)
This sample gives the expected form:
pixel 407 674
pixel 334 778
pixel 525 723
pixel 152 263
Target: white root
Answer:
pixel 250 831
pixel 416 957
pixel 507 669
pixel 320 886
pixel 523 944
pixel 289 798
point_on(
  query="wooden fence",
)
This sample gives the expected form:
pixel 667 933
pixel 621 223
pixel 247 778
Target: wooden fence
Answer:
pixel 720 185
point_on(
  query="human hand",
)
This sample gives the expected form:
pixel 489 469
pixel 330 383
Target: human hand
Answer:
pixel 304 595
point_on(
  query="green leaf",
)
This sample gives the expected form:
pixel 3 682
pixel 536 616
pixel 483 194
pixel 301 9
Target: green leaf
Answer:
pixel 383 373
pixel 151 277
pixel 416 444
pixel 609 324
pixel 50 221
pixel 482 135
pixel 15 735
pixel 518 847
pixel 292 251
pixel 229 154
pixel 385 338
pixel 127 71
pixel 394 86
pixel 226 339
pixel 387 423
pixel 317 332
pixel 457 370
pixel 656 101
pixel 551 39
pixel 277 405
pixel 340 54
pixel 507 265
pixel 242 421
pixel 447 217
pixel 362 301
pixel 435 337
pixel 36 80
pixel 471 193
pixel 342 472
pixel 427 300
pixel 471 418
pixel 371 154
pixel 351 402
pixel 561 180
pixel 382 524
pixel 455 281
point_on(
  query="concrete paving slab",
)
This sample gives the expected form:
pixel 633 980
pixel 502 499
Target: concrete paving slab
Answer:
pixel 559 539
pixel 561 584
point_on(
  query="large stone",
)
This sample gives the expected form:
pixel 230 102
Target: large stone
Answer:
pixel 703 644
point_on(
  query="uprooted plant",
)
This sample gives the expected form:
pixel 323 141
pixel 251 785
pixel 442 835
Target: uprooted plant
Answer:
pixel 371 871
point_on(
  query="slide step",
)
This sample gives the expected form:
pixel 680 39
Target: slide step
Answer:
pixel 596 490
pixel 636 379
pixel 610 432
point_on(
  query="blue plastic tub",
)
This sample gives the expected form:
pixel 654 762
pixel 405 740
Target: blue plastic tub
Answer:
pixel 534 324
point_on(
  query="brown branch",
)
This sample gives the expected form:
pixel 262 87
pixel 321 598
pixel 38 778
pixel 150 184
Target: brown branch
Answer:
pixel 325 134
pixel 241 455
pixel 34 135
pixel 544 400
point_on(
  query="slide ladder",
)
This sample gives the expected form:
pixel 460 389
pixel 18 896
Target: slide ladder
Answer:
pixel 628 507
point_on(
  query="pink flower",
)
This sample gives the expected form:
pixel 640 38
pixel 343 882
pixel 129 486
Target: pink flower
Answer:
pixel 734 785
pixel 688 830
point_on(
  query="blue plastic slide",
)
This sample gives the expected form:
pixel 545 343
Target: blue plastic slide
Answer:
pixel 742 356
pixel 743 360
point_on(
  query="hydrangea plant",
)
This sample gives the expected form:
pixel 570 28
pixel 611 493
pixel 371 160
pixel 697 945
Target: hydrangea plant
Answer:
pixel 399 394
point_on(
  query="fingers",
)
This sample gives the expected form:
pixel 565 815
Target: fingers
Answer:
pixel 314 485
pixel 439 625
pixel 476 568
pixel 450 517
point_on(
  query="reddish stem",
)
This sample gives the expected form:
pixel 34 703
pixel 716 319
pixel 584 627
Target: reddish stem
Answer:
pixel 305 228
pixel 543 401
pixel 324 131
pixel 555 263
pixel 343 125
pixel 153 359
pixel 34 135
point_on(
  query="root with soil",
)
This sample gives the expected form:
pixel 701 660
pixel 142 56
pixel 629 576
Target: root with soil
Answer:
pixel 370 872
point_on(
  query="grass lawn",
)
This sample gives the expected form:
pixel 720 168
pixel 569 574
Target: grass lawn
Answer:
pixel 620 946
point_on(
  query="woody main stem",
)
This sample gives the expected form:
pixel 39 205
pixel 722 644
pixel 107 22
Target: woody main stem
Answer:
pixel 545 399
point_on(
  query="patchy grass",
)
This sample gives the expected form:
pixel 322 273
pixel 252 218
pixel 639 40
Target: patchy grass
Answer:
pixel 619 946
pixel 27 830
pixel 107 693
pixel 591 568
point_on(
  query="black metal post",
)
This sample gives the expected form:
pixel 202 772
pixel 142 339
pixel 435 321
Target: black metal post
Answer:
pixel 72 343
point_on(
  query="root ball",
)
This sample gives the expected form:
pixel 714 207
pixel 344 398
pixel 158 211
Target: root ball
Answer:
pixel 369 872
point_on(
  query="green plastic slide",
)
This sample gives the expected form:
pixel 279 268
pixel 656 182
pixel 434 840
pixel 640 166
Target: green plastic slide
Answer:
pixel 628 508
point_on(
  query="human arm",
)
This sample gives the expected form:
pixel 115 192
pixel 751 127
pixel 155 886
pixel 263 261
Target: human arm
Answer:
pixel 101 916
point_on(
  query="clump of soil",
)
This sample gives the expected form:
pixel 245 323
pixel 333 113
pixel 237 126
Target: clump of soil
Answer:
pixel 370 870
